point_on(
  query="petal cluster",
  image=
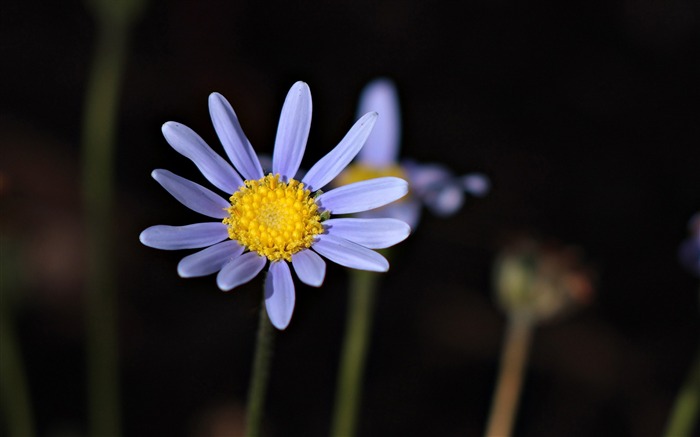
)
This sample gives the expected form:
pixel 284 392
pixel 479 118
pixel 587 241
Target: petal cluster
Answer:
pixel 346 241
pixel 432 185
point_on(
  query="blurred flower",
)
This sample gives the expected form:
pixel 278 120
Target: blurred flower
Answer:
pixel 274 217
pixel 432 185
pixel 689 252
pixel 541 281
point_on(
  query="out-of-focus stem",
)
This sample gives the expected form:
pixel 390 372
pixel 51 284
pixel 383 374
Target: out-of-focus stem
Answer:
pixel 113 21
pixel 685 410
pixel 14 392
pixel 514 355
pixel 353 356
pixel 98 150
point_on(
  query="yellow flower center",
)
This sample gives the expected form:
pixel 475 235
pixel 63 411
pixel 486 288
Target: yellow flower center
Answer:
pixel 363 172
pixel 275 219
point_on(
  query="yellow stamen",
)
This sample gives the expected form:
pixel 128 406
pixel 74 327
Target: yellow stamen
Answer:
pixel 363 172
pixel 273 218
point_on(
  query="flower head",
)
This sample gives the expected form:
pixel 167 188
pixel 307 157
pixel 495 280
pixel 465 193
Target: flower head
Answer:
pixel 432 185
pixel 274 218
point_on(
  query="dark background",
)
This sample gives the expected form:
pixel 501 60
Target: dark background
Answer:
pixel 584 115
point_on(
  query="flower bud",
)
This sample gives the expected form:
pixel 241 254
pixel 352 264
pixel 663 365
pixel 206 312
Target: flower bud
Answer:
pixel 541 281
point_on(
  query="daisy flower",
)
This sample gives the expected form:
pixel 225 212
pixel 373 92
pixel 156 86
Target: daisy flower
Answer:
pixel 432 185
pixel 273 218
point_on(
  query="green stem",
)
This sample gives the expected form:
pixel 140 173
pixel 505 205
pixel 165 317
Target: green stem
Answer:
pixel 98 144
pixel 260 374
pixel 13 386
pixel 685 410
pixel 353 355
pixel 514 356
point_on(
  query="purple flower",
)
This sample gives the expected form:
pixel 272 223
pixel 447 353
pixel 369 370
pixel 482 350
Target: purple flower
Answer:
pixel 275 218
pixel 432 185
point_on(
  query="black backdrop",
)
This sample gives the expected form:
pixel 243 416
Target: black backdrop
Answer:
pixel 583 114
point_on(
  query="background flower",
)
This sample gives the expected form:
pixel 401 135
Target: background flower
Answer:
pixel 432 185
pixel 689 252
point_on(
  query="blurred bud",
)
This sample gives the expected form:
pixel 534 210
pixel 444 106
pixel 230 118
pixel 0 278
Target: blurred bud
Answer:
pixel 541 281
pixel 689 252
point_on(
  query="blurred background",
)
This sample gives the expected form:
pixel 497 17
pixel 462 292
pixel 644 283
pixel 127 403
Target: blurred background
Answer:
pixel 584 115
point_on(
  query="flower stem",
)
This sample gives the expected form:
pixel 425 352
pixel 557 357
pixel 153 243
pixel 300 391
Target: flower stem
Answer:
pixel 98 144
pixel 352 361
pixel 260 373
pixel 14 392
pixel 98 140
pixel 514 356
pixel 685 410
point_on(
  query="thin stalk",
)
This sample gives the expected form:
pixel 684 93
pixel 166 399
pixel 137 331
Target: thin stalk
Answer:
pixel 353 355
pixel 259 374
pixel 14 392
pixel 98 144
pixel 514 355
pixel 685 410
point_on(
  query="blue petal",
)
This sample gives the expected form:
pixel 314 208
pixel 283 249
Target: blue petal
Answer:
pixel 210 260
pixel 444 200
pixel 279 294
pixel 240 270
pixel 293 131
pixel 349 254
pixel 192 195
pixel 426 176
pixel 362 196
pixel 231 135
pixel 310 268
pixel 436 187
pixel 376 233
pixel 213 167
pixel 408 210
pixel 689 255
pixel 476 184
pixel 184 237
pixel 382 147
pixel 337 159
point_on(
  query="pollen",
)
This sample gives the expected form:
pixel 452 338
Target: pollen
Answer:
pixel 362 172
pixel 273 218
